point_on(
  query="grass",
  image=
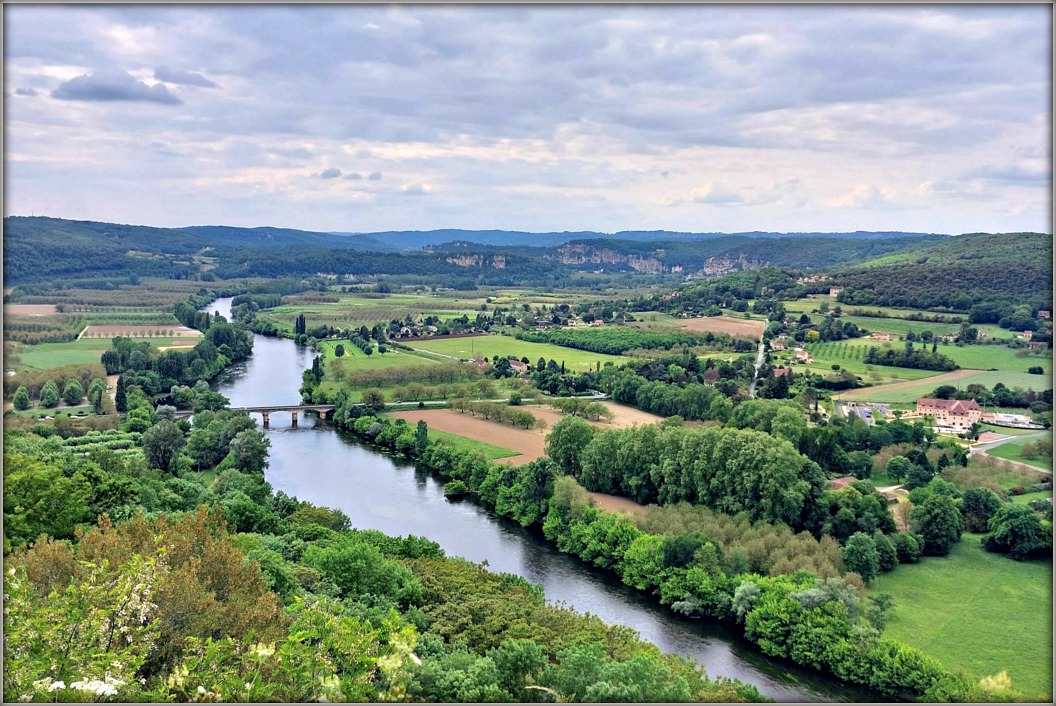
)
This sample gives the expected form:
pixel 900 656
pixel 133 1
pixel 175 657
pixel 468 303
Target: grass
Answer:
pixel 490 451
pixel 355 359
pixel 911 393
pixel 41 412
pixel 44 356
pixel 1009 431
pixel 1027 497
pixel 496 345
pixel 1013 451
pixel 1000 358
pixel 849 355
pixel 978 612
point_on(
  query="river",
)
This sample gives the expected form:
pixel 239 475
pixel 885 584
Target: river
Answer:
pixel 316 463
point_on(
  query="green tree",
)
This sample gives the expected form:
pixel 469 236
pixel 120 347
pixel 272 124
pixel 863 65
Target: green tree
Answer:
pixel 566 441
pixel 339 351
pixel 40 499
pixel 1018 531
pixel 978 505
pixel 860 555
pixel 898 468
pixel 249 451
pixel 421 437
pixel 373 398
pixel 162 444
pixel 938 521
pixel 96 390
pixel 120 395
pixel 49 394
pixel 21 398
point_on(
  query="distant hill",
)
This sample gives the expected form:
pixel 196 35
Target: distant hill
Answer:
pixel 955 273
pixel 415 240
pixel 284 237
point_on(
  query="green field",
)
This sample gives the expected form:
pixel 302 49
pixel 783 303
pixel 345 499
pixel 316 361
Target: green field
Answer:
pixel 490 451
pixel 895 321
pixel 979 357
pixel 910 392
pixel 497 345
pixel 355 359
pixel 978 612
pixel 1028 497
pixel 1013 451
pixel 849 354
pixel 43 356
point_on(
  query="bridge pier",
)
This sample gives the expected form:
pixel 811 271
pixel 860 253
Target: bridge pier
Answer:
pixel 265 415
pixel 293 415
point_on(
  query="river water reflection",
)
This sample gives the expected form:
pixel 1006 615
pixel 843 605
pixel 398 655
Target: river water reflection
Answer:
pixel 325 467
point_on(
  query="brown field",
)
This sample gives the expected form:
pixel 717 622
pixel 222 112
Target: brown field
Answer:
pixel 29 309
pixel 741 328
pixel 111 330
pixel 622 416
pixel 530 444
pixel 616 504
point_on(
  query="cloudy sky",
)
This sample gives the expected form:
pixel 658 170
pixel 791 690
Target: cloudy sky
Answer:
pixel 695 118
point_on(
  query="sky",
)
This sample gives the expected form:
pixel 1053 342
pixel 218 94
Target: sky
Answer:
pixel 540 118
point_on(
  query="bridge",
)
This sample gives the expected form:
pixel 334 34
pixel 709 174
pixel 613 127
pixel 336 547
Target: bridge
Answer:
pixel 264 411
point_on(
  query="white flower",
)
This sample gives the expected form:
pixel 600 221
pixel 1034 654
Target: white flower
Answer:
pixel 262 650
pixel 201 689
pixel 56 685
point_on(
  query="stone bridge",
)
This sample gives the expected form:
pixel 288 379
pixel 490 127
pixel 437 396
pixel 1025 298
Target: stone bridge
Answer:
pixel 264 411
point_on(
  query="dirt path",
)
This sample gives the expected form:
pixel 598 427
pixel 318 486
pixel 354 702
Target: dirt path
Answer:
pixel 944 379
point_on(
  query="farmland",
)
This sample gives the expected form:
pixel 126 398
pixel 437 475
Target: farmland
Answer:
pixel 739 328
pixel 977 611
pixel 43 356
pixel 504 346
pixel 911 391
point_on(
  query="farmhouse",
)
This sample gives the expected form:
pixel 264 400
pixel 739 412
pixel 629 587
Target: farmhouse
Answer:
pixel 881 336
pixel 801 356
pixel 959 414
pixel 518 365
pixel 835 291
pixel 1044 314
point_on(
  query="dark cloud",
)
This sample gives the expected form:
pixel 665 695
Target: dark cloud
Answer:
pixel 25 91
pixel 183 78
pixel 354 176
pixel 374 176
pixel 109 85
pixel 331 173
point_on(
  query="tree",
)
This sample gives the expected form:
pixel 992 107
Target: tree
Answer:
pixel 1018 531
pixel 860 555
pixel 249 451
pixel 73 393
pixel 21 398
pixel 162 444
pixel 566 441
pixel 96 390
pixel 978 505
pixel 339 350
pixel 120 395
pixel 373 398
pixel 898 468
pixel 421 437
pixel 49 394
pixel 938 521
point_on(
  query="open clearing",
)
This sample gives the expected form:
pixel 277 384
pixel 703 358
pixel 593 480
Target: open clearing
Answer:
pixel 529 444
pixel 496 345
pixel 616 504
pixel 977 611
pixel 622 416
pixel 740 328
pixel 135 331
pixel 910 391
pixel 29 309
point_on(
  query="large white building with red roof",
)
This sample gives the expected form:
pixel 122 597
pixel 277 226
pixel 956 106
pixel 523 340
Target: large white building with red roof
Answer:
pixel 959 414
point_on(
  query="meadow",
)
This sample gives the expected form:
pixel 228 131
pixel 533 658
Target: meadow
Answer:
pixel 910 392
pixel 976 611
pixel 497 345
pixel 461 443
pixel 43 356
pixel 1013 451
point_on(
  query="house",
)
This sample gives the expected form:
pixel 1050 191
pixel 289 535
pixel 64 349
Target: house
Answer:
pixel 518 365
pixel 778 372
pixel 837 483
pixel 958 414
pixel 1038 345
pixel 835 291
pixel 881 336
pixel 1044 314
pixel 801 356
pixel 596 322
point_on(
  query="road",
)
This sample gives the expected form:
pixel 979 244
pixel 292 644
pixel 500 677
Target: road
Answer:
pixel 758 363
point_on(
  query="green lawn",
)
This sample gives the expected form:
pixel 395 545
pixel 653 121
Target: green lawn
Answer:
pixel 497 345
pixel 44 356
pixel 1013 451
pixel 1027 497
pixel 911 392
pixel 1001 358
pixel 849 355
pixel 978 612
